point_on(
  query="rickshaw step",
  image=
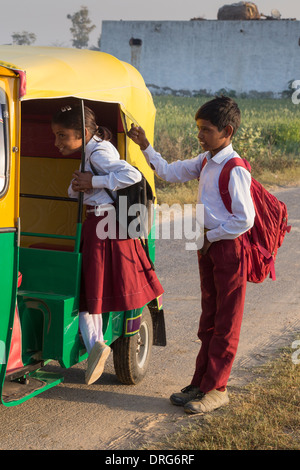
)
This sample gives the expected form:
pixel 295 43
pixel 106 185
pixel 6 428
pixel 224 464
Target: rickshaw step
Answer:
pixel 23 371
pixel 15 392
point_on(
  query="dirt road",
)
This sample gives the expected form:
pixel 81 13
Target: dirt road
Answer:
pixel 107 415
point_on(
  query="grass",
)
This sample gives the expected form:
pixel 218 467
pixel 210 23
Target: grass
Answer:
pixel 269 138
pixel 264 415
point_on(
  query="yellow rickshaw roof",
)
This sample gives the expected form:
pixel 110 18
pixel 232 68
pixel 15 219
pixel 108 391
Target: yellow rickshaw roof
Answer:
pixel 53 72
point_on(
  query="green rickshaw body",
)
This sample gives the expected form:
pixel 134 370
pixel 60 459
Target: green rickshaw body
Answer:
pixel 40 227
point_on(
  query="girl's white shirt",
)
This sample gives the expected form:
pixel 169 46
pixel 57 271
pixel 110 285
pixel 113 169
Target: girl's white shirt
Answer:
pixel 112 172
pixel 220 223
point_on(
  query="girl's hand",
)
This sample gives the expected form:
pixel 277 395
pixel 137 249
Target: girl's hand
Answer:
pixel 137 134
pixel 82 181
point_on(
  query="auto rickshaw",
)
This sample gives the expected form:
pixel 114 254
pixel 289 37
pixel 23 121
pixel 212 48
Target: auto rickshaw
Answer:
pixel 40 227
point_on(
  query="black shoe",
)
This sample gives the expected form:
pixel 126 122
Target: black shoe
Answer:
pixel 187 394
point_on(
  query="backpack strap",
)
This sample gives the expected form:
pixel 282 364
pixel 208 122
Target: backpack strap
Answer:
pixel 144 241
pixel 204 161
pixel 224 179
pixel 109 192
pixel 225 175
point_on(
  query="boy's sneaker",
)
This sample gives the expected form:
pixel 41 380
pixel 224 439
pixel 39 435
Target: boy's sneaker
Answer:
pixel 96 361
pixel 187 394
pixel 208 402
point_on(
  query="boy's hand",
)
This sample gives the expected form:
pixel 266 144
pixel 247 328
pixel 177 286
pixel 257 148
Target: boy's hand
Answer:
pixel 205 246
pixel 137 134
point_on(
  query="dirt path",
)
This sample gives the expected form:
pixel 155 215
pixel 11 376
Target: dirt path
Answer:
pixel 107 415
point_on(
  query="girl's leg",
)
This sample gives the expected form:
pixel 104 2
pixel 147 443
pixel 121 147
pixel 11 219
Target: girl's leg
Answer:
pixel 98 325
pixel 91 329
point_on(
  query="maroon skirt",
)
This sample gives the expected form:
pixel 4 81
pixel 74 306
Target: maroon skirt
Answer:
pixel 116 274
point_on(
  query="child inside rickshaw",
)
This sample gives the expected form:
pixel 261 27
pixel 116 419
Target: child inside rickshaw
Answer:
pixel 116 273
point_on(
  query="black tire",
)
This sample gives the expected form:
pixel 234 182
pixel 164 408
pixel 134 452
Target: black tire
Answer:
pixel 131 354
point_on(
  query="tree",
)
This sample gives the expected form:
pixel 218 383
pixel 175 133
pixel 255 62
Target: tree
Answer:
pixel 81 28
pixel 24 38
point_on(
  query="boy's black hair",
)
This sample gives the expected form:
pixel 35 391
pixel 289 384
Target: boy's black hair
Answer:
pixel 221 111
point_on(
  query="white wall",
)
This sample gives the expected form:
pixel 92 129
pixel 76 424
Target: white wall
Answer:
pixel 209 55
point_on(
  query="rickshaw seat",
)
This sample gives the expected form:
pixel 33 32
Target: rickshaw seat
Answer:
pixel 52 246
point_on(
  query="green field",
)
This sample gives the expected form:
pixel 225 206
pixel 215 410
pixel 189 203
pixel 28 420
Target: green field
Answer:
pixel 269 137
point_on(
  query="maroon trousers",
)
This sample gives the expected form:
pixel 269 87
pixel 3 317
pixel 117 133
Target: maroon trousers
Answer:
pixel 223 288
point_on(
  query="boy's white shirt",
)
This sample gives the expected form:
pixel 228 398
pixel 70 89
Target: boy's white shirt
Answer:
pixel 113 173
pixel 221 224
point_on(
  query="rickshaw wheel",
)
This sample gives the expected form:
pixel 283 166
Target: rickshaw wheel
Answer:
pixel 131 354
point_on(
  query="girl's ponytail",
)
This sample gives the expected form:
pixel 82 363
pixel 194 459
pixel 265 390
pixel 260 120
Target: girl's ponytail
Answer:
pixel 103 133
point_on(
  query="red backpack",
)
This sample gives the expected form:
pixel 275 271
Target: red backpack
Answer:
pixel 262 241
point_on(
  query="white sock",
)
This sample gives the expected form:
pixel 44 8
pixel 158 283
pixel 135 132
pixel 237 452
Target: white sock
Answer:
pixel 97 320
pixel 91 329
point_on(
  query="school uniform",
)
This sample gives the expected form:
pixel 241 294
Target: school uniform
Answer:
pixel 116 273
pixel 222 268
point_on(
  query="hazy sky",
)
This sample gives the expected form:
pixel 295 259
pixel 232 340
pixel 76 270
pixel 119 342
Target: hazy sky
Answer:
pixel 47 19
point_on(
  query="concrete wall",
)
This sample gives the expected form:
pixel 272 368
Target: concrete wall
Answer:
pixel 196 56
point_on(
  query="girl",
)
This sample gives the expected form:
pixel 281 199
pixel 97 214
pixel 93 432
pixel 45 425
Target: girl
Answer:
pixel 116 274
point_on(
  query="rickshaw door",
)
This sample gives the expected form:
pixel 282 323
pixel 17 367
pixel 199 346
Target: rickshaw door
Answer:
pixel 9 230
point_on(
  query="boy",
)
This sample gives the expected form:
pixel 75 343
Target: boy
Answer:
pixel 221 259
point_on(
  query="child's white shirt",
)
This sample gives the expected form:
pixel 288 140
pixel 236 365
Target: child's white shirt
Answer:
pixel 112 172
pixel 220 223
